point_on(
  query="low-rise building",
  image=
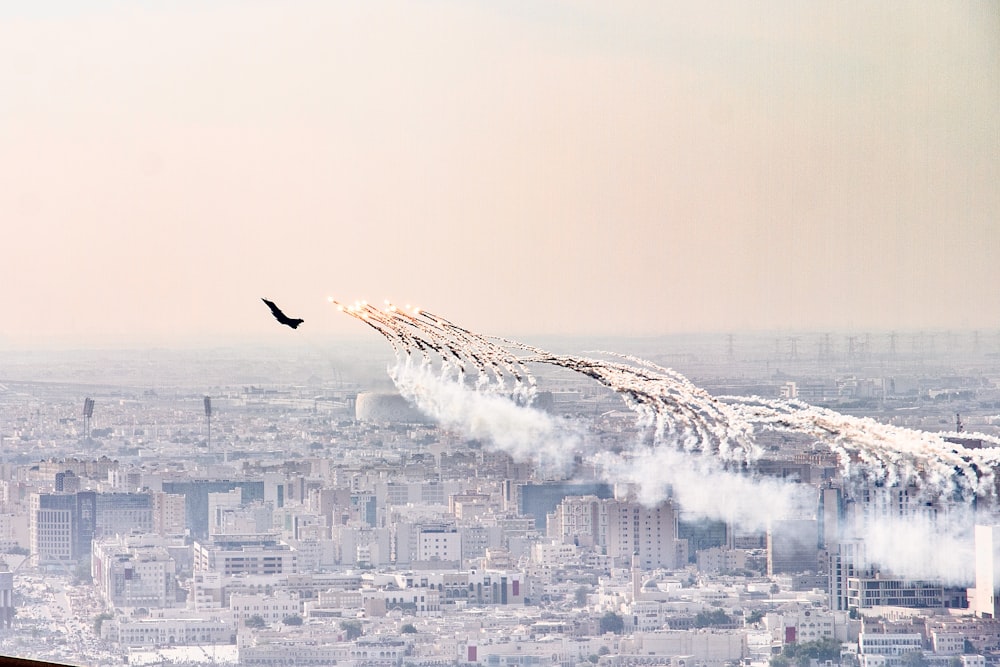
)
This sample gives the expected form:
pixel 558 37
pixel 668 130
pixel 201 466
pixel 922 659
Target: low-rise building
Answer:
pixel 721 559
pixel 271 608
pixel 244 554
pixel 886 649
pixel 177 627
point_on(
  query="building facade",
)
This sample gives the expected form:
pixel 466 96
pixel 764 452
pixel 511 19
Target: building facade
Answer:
pixel 247 554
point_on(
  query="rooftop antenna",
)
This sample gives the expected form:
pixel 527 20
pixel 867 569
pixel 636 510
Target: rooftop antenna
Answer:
pixel 88 415
pixel 208 417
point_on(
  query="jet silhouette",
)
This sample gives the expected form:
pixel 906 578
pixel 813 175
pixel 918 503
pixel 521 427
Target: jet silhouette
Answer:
pixel 292 322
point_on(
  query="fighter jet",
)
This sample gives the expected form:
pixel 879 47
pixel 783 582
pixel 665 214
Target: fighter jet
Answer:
pixel 281 317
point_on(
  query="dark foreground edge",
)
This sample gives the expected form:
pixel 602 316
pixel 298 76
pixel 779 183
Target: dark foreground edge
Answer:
pixel 7 661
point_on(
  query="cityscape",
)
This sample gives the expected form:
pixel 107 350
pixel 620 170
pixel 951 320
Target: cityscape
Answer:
pixel 259 507
pixel 500 334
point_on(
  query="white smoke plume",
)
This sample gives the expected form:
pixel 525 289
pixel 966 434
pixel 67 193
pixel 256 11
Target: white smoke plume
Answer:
pixel 705 489
pixel 923 545
pixel 697 447
pixel 522 431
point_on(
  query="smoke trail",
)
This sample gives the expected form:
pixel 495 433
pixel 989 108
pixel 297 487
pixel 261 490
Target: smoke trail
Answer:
pixel 697 447
pixel 683 416
pixel 678 412
pixel 705 489
pixel 524 432
pixel 870 451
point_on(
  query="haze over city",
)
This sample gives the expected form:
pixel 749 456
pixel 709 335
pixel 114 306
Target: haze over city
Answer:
pixel 524 333
pixel 528 168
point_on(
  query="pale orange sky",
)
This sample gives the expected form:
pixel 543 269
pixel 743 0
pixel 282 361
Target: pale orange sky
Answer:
pixel 520 167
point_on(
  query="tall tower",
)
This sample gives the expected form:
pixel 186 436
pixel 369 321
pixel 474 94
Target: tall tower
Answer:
pixel 636 577
pixel 208 418
pixel 88 415
pixel 830 516
pixel 6 597
pixel 984 597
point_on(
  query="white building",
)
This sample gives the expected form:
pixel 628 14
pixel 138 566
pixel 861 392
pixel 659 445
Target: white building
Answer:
pixel 711 647
pixel 847 559
pixel 886 649
pixel 272 608
pixel 650 532
pixel 362 545
pixel 282 649
pixel 182 627
pixel 207 590
pixel 168 513
pixel 477 539
pixel 806 625
pixel 218 505
pixel 721 559
pixel 315 554
pixel 245 554
pixel 554 555
pixel 579 520
pixel 506 651
pixel 948 643
pixel 440 543
pixel 14 531
pixel 134 571
pixel 984 597
pixel 623 527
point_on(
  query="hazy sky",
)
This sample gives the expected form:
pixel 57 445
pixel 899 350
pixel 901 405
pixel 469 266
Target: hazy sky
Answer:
pixel 518 166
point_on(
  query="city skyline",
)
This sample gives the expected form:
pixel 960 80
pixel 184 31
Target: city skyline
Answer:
pixel 560 168
pixel 338 502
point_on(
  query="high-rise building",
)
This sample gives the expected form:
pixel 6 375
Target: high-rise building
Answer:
pixel 792 546
pixel 218 504
pixel 623 527
pixel 830 516
pixel 196 499
pixel 122 513
pixel 62 525
pixel 168 514
pixel 847 559
pixel 704 534
pixel 6 598
pixel 984 597
pixel 579 520
pixel 538 500
pixel 649 532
